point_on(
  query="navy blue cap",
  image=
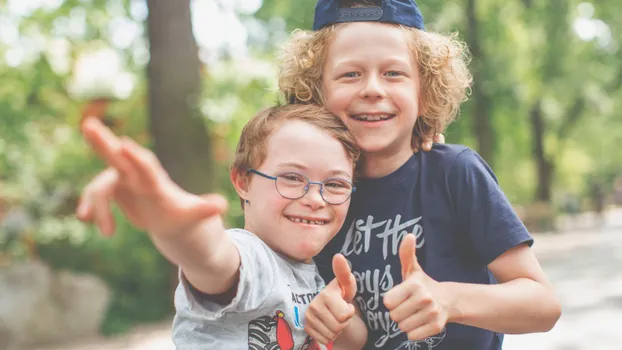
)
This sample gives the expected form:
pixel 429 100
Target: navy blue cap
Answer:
pixel 404 12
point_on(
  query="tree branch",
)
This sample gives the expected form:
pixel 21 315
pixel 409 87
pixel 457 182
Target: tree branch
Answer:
pixel 572 117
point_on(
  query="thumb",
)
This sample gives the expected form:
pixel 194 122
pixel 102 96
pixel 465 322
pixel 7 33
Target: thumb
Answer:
pixel 209 205
pixel 408 256
pixel 344 277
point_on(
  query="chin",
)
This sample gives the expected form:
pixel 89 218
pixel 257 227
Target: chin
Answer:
pixel 309 251
pixel 374 147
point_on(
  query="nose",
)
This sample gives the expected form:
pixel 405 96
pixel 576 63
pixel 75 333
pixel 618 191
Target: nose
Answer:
pixel 313 198
pixel 372 88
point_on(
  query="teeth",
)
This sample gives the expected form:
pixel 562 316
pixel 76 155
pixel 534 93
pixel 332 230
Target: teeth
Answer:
pixel 304 221
pixel 375 117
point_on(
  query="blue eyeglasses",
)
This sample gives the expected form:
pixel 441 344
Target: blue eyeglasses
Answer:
pixel 293 185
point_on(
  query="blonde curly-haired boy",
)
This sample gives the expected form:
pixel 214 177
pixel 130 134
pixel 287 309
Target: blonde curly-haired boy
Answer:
pixel 440 258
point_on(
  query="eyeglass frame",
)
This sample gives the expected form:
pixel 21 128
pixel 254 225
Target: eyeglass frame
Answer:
pixel 309 182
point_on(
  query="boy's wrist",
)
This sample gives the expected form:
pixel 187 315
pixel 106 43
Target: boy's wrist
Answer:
pixel 450 301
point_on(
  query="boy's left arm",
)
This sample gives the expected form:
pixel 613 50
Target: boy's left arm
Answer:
pixel 523 301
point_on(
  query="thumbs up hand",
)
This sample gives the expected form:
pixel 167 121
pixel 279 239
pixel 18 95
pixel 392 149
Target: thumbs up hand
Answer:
pixel 418 304
pixel 331 311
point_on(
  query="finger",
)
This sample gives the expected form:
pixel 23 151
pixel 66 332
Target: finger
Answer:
pixel 215 203
pixel 408 256
pixel 104 142
pixel 398 295
pixel 84 210
pixel 104 182
pixel 143 161
pixel 325 324
pixel 439 138
pixel 414 320
pixel 414 304
pixel 344 277
pixel 426 145
pixel 208 205
pixel 318 330
pixel 103 215
pixel 425 331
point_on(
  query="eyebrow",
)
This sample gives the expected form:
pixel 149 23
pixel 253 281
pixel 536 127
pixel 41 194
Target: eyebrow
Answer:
pixel 301 167
pixel 385 61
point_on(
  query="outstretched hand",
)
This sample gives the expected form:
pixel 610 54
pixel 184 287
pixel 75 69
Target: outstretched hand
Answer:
pixel 137 181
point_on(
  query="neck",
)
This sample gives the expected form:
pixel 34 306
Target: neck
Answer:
pixel 377 165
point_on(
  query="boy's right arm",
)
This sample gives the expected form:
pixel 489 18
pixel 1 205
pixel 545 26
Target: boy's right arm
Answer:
pixel 207 257
pixel 186 229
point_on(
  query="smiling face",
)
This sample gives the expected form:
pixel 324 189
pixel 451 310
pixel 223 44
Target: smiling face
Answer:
pixel 370 80
pixel 297 228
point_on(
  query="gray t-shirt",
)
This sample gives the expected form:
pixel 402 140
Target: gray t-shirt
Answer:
pixel 268 310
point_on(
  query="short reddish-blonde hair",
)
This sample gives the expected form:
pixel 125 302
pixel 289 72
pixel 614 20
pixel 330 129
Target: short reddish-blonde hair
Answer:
pixel 251 149
pixel 442 60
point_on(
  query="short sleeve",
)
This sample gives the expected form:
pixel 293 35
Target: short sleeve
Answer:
pixel 257 274
pixel 483 209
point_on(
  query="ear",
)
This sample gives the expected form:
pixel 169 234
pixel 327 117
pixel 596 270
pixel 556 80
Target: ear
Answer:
pixel 240 181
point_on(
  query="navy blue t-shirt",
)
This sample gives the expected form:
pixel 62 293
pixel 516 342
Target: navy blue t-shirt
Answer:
pixel 450 200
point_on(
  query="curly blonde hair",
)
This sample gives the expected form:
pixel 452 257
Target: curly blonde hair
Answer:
pixel 443 71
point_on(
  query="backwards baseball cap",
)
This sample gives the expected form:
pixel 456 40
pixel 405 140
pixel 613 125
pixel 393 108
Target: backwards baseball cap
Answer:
pixel 404 12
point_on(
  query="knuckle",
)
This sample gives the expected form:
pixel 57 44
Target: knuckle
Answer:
pixel 426 300
pixel 313 308
pixel 437 327
pixel 343 317
pixel 434 313
pixel 392 314
pixel 413 283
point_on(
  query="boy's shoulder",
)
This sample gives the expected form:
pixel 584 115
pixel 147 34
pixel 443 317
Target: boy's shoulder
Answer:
pixel 455 161
pixel 449 155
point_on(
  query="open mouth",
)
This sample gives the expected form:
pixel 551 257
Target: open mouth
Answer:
pixel 372 117
pixel 297 219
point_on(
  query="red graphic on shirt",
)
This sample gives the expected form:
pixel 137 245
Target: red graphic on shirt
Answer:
pixel 274 333
pixel 284 336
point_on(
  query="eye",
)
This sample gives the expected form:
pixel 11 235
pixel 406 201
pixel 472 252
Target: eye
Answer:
pixel 393 73
pixel 337 184
pixel 292 178
pixel 350 75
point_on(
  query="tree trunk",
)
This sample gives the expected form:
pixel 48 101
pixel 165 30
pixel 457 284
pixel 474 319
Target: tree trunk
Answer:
pixel 481 101
pixel 544 165
pixel 181 139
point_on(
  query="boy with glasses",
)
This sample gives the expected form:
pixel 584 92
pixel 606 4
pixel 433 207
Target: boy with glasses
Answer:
pixel 247 288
